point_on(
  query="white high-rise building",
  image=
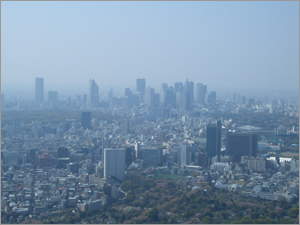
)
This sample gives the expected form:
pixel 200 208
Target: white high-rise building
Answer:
pixel 114 162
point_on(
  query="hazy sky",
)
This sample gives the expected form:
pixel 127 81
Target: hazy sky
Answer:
pixel 222 44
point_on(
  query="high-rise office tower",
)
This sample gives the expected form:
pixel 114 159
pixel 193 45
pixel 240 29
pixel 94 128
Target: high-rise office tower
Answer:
pixel 201 90
pixel 184 154
pixel 149 96
pixel 140 85
pixel 187 104
pixel 127 92
pixel 213 139
pixel 140 88
pixel 191 89
pixel 212 98
pixel 39 90
pixel 93 96
pixel 114 163
pixel 138 151
pixel 163 91
pixel 241 144
pixel 179 100
pixel 152 157
pixel 62 152
pixel 52 96
pixel 178 87
pixel 170 97
pixel 86 118
pixel 129 156
pixel 202 160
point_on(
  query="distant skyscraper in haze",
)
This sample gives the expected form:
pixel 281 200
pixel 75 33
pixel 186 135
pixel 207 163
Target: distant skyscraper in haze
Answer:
pixel 39 90
pixel 140 85
pixel 140 88
pixel 170 97
pixel 86 118
pixel 187 104
pixel 212 98
pixel 241 144
pixel 179 100
pixel 163 92
pixel 52 96
pixel 191 89
pixel 201 90
pixel 149 96
pixel 178 87
pixel 213 139
pixel 114 163
pixel 93 96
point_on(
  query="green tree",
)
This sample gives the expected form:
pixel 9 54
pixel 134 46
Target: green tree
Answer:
pixel 153 215
pixel 294 212
pixel 286 221
pixel 207 220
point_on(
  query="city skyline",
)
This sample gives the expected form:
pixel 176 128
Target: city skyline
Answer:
pixel 198 92
pixel 221 44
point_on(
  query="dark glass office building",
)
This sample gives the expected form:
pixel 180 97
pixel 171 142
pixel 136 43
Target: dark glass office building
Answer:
pixel 86 118
pixel 241 144
pixel 213 139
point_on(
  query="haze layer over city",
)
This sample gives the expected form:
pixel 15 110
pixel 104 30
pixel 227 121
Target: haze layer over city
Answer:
pixel 150 112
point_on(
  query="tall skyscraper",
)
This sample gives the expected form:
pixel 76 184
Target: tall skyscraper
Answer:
pixel 114 163
pixel 152 157
pixel 140 89
pixel 184 154
pixel 187 104
pixel 179 100
pixel 62 152
pixel 212 98
pixel 129 156
pixel 138 151
pixel 201 90
pixel 170 97
pixel 86 118
pixel 163 91
pixel 39 90
pixel 213 139
pixel 140 85
pixel 149 96
pixel 241 144
pixel 93 96
pixel 178 87
pixel 52 96
pixel 192 93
